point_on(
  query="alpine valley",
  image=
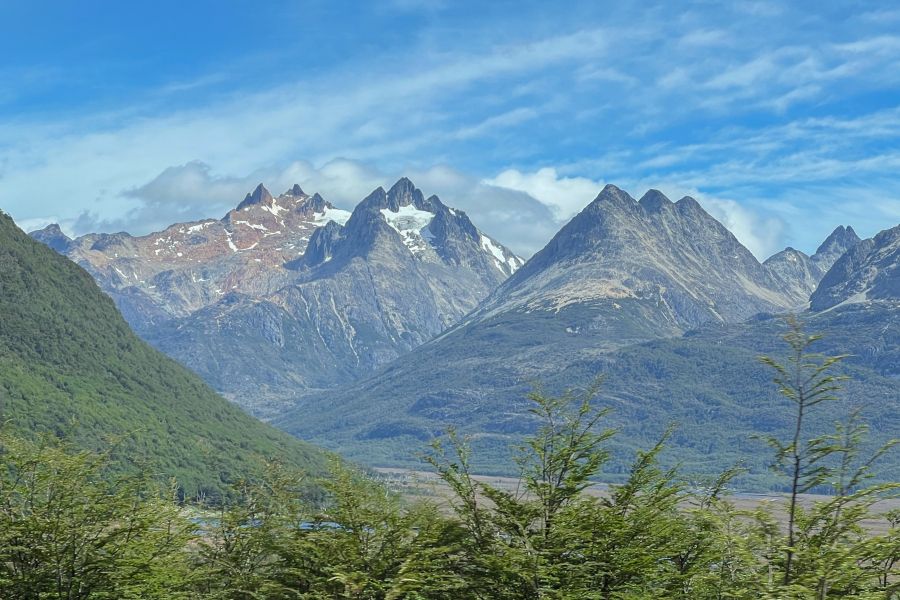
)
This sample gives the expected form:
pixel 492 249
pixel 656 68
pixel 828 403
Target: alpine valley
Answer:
pixel 371 333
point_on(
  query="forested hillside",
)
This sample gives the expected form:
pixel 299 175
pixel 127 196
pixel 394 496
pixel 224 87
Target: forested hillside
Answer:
pixel 71 367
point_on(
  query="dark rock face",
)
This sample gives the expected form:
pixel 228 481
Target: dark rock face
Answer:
pixel 262 197
pixel 834 246
pixel 870 270
pixel 288 294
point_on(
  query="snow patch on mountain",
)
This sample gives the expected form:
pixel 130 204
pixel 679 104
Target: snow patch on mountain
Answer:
pixel 412 225
pixel 230 241
pixel 198 227
pixel 253 225
pixel 512 262
pixel 331 214
pixel 275 209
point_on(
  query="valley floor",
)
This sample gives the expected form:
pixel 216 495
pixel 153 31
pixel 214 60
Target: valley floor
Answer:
pixel 414 484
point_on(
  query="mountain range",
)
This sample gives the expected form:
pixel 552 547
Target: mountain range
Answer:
pixel 70 367
pixel 662 301
pixel 316 330
pixel 288 293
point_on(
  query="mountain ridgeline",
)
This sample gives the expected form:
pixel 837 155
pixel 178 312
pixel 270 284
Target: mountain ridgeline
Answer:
pixel 661 300
pixel 869 271
pixel 288 293
pixel 640 269
pixel 71 367
pixel 800 274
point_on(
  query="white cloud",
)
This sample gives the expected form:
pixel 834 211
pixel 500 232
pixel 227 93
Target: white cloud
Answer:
pixel 565 195
pixel 763 235
pixel 439 100
pixel 187 185
pixel 513 217
pixel 341 181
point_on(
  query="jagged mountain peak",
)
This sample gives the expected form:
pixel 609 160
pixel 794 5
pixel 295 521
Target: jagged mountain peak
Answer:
pixel 614 223
pixel 841 236
pixel 402 193
pixel 796 272
pixel 260 195
pixel 674 264
pixel 317 203
pixel 404 187
pixel 403 208
pixel 787 256
pixel 789 251
pixel 835 245
pixel 321 246
pixel 294 208
pixel 870 270
pixel 52 229
pixel 611 195
pixel 376 199
pixel 402 220
pixel 689 204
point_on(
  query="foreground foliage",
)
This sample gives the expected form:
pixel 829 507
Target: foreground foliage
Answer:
pixel 70 530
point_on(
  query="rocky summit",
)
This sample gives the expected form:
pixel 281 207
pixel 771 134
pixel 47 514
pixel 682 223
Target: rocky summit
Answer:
pixel 870 271
pixel 796 272
pixel 624 270
pixel 289 294
pixel 800 274
pixel 189 266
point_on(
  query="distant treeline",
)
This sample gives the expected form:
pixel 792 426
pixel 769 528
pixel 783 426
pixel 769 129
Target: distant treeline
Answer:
pixel 69 530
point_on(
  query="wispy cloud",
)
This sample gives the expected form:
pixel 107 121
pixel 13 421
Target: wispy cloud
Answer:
pixel 766 111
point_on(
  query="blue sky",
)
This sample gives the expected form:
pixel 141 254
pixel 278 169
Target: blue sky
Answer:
pixel 782 119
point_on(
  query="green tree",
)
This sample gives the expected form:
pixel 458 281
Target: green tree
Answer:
pixel 551 539
pixel 827 551
pixel 66 531
pixel 240 555
pixel 807 381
